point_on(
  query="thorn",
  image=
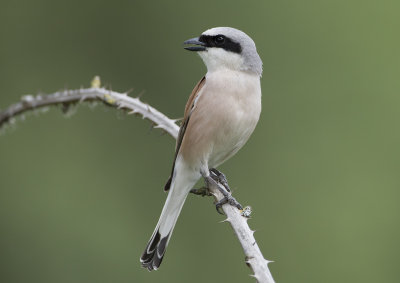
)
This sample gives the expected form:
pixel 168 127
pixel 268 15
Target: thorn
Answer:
pixel 178 119
pixel 82 98
pixel 132 112
pixel 140 94
pixel 225 220
pixel 122 105
pixel 129 91
pixel 151 128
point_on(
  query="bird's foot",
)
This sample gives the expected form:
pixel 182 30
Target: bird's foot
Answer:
pixel 228 198
pixel 203 191
pixel 220 178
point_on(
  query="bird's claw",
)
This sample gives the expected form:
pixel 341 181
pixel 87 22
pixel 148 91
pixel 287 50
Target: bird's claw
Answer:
pixel 229 199
pixel 203 191
pixel 219 177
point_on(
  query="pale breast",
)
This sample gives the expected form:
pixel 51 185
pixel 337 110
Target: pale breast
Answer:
pixel 223 119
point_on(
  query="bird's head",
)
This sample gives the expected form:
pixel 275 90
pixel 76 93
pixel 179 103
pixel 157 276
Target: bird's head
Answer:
pixel 225 47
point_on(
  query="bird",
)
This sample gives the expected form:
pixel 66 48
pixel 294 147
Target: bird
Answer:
pixel 220 115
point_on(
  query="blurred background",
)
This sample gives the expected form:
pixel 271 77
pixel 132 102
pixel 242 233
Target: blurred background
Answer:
pixel 80 195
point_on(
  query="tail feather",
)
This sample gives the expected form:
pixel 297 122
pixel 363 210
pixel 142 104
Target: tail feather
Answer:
pixel 154 252
pixel 180 187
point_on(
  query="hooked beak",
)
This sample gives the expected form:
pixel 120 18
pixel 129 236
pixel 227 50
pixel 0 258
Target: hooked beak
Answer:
pixel 198 45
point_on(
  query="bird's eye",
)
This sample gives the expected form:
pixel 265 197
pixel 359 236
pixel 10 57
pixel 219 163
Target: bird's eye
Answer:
pixel 219 39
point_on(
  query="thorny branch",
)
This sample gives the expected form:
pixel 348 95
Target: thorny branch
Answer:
pixel 253 256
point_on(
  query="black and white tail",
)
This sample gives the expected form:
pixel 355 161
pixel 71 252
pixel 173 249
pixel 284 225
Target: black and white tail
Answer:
pixel 155 249
pixel 154 252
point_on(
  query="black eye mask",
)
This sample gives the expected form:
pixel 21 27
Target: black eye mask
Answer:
pixel 221 41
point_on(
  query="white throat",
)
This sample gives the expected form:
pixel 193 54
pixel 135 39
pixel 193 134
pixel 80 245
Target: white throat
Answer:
pixel 218 59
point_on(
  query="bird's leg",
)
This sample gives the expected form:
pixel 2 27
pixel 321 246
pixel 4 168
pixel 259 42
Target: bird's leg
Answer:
pixel 221 178
pixel 218 177
pixel 228 198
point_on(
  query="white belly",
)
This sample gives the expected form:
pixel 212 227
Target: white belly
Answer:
pixel 223 118
pixel 240 107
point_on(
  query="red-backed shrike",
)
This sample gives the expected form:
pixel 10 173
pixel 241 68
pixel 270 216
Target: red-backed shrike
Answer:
pixel 219 118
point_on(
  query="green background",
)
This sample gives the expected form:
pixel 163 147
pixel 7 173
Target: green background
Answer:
pixel 80 196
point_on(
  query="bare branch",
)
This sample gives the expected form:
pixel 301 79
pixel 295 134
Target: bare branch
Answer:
pixel 111 98
pixel 254 257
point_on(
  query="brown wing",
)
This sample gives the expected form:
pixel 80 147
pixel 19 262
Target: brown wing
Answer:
pixel 182 130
